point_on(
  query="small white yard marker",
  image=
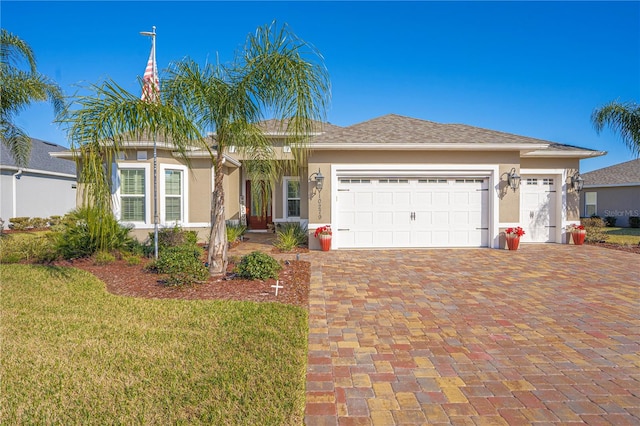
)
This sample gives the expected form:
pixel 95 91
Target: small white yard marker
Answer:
pixel 277 286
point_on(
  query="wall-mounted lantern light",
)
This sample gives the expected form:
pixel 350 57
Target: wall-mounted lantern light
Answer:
pixel 513 179
pixel 319 178
pixel 577 182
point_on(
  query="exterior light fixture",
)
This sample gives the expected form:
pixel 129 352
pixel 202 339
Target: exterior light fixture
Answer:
pixel 513 179
pixel 577 182
pixel 319 178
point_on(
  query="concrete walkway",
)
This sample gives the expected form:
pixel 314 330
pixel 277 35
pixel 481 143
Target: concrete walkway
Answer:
pixel 546 334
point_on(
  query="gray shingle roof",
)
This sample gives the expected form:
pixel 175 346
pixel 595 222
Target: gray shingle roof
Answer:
pixel 396 129
pixel 618 174
pixel 40 158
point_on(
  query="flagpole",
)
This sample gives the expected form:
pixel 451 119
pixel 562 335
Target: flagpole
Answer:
pixel 152 34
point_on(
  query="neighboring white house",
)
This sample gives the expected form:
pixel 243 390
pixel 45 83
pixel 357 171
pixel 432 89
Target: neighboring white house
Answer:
pixel 613 191
pixel 45 188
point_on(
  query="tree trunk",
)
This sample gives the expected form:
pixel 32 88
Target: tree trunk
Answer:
pixel 217 256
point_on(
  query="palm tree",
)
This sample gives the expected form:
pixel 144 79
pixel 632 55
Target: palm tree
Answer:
pixel 99 127
pixel 276 76
pixel 18 90
pixel 623 118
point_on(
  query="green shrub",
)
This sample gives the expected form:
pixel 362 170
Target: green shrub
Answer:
pixel 38 222
pixel 234 231
pixel 290 235
pixel 610 221
pixel 132 260
pixel 40 248
pixel 18 223
pixel 634 221
pixel 54 220
pixel 182 264
pixel 104 258
pixel 595 229
pixel 173 237
pixel 258 265
pixel 75 239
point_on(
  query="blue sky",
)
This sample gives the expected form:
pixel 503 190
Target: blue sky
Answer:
pixel 535 69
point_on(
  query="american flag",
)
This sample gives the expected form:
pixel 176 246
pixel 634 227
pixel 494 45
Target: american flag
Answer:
pixel 151 84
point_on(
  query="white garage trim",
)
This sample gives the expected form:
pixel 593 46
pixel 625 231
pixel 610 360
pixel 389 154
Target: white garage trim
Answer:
pixel 485 171
pixel 561 198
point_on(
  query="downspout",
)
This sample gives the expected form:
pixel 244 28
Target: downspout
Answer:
pixel 16 177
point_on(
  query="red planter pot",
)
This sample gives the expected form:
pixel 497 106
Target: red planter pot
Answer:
pixel 578 237
pixel 325 242
pixel 513 242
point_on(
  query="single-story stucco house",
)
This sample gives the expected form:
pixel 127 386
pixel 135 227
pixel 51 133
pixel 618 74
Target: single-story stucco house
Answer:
pixel 45 188
pixel 613 191
pixel 390 182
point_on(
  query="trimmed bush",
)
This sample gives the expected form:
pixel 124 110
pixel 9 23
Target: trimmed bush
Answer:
pixel 174 237
pixel 104 258
pixel 182 264
pixel 234 231
pixel 18 223
pixel 610 220
pixel 258 266
pixel 30 248
pixel 634 221
pixel 594 227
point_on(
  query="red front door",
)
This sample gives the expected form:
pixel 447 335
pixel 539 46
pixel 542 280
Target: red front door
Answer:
pixel 258 206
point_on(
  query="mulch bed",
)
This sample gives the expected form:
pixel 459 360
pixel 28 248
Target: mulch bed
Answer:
pixel 132 280
pixel 628 248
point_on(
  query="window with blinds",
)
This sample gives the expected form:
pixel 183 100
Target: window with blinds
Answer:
pixel 293 197
pixel 173 195
pixel 132 195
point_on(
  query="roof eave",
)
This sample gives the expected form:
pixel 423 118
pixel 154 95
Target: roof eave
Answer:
pixel 37 171
pixel 428 147
pixel 610 185
pixel 564 154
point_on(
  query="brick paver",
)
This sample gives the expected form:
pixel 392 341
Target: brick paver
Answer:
pixel 549 333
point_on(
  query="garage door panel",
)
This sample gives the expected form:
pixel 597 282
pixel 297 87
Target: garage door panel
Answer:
pixel 382 198
pixel 423 198
pixel 365 219
pixel 440 218
pixel 441 198
pixel 363 239
pixel 364 199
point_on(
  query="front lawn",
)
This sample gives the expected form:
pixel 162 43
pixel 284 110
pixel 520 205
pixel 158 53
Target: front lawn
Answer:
pixel 630 236
pixel 74 354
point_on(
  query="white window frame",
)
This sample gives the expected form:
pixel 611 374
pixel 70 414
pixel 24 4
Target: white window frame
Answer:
pixel 184 191
pixel 285 196
pixel 586 203
pixel 118 192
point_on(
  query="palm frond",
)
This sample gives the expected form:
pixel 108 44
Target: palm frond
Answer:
pixel 623 118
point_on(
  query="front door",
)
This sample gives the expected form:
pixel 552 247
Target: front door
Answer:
pixel 258 206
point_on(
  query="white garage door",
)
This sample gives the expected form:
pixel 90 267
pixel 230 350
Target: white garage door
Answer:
pixel 538 208
pixel 412 212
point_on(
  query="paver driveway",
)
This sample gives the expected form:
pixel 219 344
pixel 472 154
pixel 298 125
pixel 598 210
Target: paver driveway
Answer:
pixel 548 333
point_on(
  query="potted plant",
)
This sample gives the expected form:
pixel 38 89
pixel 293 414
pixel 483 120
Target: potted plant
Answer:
pixel 577 234
pixel 513 237
pixel 323 233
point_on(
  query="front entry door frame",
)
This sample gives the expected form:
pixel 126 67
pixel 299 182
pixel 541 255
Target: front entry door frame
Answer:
pixel 257 216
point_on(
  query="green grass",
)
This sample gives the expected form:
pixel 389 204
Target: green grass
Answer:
pixel 623 235
pixel 74 354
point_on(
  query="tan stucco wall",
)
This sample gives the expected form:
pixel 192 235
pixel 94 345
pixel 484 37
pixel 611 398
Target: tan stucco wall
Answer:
pixel 232 189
